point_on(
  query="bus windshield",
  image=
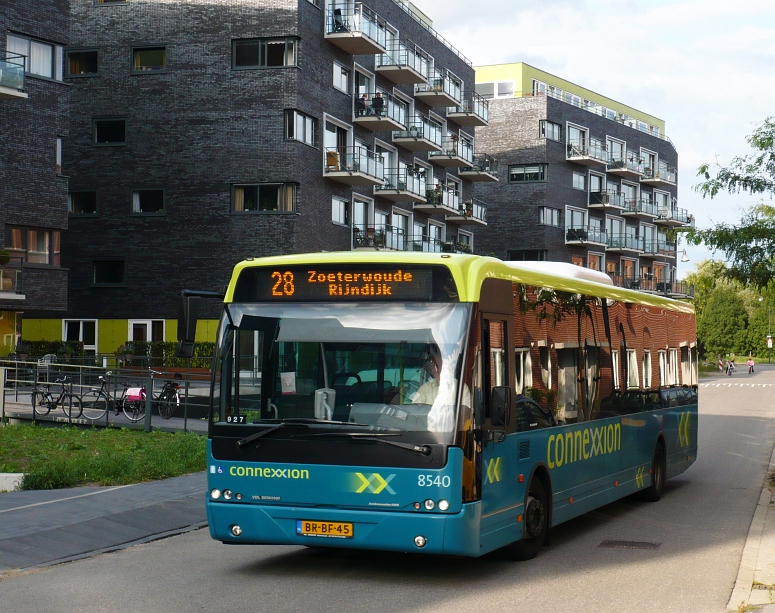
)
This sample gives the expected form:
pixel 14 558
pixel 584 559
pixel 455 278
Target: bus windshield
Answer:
pixel 393 367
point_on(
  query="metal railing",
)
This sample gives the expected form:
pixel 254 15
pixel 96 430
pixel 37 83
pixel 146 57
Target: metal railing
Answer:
pixel 359 19
pixel 624 241
pixel 642 206
pixel 664 173
pixel 405 179
pixel 452 146
pixel 380 104
pixel 631 163
pixel 420 126
pixel 12 70
pixel 675 213
pixel 648 283
pixel 472 103
pixel 354 159
pixel 442 81
pixel 482 162
pixel 393 238
pixel 608 197
pixel 406 53
pixel 585 234
pixel 475 209
pixel 592 148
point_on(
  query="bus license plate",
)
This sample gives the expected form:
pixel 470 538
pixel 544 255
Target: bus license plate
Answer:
pixel 332 529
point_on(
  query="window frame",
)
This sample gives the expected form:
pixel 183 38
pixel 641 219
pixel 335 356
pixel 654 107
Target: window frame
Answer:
pixel 584 179
pixel 342 69
pixel 647 369
pixel 284 187
pixel 97 51
pixel 542 132
pixel 147 71
pixel 80 322
pixel 615 367
pixel 95 261
pixel 543 169
pixel 24 253
pixel 57 57
pixel 263 40
pixel 291 116
pixel 542 216
pixel 633 377
pixel 136 190
pixel 347 208
pixel 70 203
pixel 96 120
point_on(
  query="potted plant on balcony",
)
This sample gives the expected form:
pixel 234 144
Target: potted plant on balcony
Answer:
pixel 469 208
pixel 124 354
pixel 5 257
pixel 434 195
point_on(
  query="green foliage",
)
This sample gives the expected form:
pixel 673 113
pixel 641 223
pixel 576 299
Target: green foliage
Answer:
pixel 53 458
pixel 722 324
pixel 162 354
pixel 41 348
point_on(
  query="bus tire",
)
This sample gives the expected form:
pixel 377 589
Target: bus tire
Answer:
pixel 536 526
pixel 654 491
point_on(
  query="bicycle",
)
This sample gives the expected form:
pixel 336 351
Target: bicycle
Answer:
pixel 43 401
pixel 97 402
pixel 168 400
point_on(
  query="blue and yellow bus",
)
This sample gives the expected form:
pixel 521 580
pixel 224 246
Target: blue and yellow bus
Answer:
pixel 439 403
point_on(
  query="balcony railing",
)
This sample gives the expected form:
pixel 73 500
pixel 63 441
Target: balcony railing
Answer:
pixel 393 238
pixel 586 150
pixel 630 164
pixel 442 89
pixel 421 127
pixel 377 106
pixel 12 70
pixel 404 180
pixel 664 174
pixel 483 167
pixel 607 198
pixel 473 110
pixel 642 206
pixel 358 20
pixel 652 285
pixel 404 62
pixel 454 147
pixel 675 215
pixel 624 241
pixel 12 277
pixel 585 234
pixel 476 209
pixel 354 160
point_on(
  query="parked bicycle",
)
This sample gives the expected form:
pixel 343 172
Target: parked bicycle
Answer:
pixel 43 401
pixel 98 401
pixel 168 400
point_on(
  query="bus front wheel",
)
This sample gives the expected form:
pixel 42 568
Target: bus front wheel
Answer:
pixel 536 518
pixel 654 491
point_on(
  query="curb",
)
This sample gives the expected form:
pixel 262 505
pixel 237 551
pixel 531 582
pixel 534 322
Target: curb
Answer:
pixel 741 593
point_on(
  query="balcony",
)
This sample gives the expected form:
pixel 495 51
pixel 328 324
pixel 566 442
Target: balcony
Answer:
pixel 440 200
pixel 473 111
pixel 630 167
pixel 403 185
pixel 12 280
pixel 380 112
pixel 404 63
pixel 421 134
pixel 381 236
pixel 455 152
pixel 588 153
pixel 584 235
pixel 607 200
pixel 624 243
pixel 643 207
pixel 651 248
pixel 356 29
pixel 443 89
pixel 11 76
pixel 483 169
pixel 674 217
pixel 664 176
pixel 472 212
pixel 354 166
pixel 648 284
pixel 625 281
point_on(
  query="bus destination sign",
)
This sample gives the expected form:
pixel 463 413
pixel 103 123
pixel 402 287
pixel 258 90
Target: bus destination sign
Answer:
pixel 343 283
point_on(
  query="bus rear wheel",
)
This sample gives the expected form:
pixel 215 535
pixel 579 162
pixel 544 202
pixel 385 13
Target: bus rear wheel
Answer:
pixel 536 523
pixel 654 491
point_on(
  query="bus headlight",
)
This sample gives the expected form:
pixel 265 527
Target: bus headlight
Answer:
pixel 236 530
pixel 227 494
pixel 420 541
pixel 215 493
pixel 429 505
pixel 443 505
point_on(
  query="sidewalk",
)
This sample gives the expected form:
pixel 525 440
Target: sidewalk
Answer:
pixel 44 527
pixel 755 584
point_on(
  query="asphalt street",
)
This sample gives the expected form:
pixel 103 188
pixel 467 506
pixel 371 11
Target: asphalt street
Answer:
pixel 700 526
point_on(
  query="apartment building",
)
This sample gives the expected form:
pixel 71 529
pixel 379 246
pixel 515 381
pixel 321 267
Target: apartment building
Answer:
pixel 201 135
pixel 583 179
pixel 33 188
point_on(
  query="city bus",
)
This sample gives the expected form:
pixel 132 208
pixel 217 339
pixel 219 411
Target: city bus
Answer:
pixel 439 403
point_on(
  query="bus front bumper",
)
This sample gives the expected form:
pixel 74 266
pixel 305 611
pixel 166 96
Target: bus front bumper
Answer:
pixel 447 533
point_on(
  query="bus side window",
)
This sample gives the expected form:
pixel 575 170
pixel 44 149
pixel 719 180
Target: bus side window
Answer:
pixel 523 415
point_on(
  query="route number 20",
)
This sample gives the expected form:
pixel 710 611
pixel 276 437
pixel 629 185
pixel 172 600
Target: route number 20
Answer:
pixel 431 481
pixel 283 284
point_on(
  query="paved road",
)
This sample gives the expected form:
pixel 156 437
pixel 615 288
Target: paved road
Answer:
pixel 701 523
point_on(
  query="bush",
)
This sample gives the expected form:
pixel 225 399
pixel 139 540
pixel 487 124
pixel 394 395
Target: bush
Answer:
pixel 162 354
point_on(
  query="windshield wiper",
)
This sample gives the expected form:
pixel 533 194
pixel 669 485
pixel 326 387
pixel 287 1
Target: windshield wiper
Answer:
pixel 241 444
pixel 375 437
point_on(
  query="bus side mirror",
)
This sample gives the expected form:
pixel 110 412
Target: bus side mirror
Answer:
pixel 187 318
pixel 500 413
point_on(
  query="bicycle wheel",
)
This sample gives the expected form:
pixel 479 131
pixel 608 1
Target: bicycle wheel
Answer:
pixel 95 404
pixel 167 404
pixel 134 409
pixel 72 405
pixel 41 402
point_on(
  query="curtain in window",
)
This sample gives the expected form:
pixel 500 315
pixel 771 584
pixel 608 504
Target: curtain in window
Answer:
pixel 239 199
pixel 591 367
pixel 41 59
pixel 136 208
pixel 20 46
pixel 567 397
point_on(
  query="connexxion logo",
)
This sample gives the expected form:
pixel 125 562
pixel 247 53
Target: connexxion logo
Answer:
pixel 372 484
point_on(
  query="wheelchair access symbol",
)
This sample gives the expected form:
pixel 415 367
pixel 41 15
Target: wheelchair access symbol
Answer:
pixel 374 483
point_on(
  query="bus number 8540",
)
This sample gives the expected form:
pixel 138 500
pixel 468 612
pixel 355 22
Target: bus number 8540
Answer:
pixel 431 481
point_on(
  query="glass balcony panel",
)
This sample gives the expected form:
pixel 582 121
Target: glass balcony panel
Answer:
pixel 407 179
pixel 357 19
pixel 11 70
pixel 419 126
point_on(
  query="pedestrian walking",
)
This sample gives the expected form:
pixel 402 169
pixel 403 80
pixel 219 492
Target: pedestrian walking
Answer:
pixel 750 365
pixel 730 368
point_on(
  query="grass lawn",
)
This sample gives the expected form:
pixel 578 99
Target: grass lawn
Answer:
pixel 52 458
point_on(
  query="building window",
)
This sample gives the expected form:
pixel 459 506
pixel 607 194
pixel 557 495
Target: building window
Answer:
pixel 149 59
pixel 548 129
pixel 82 203
pixel 81 331
pixel 82 63
pixel 41 59
pixel 59 156
pixel 524 173
pixel 340 211
pixel 647 369
pixel 595 261
pixel 579 181
pixel 108 272
pixel 632 369
pixel 301 127
pixel 615 367
pixel 264 52
pixel 264 198
pixel 524 372
pixel 526 255
pixel 147 201
pixel 110 131
pixel 498 89
pixel 596 183
pixel 33 245
pixel 548 216
pixel 341 78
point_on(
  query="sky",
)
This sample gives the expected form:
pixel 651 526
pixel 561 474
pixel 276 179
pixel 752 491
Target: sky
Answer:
pixel 706 67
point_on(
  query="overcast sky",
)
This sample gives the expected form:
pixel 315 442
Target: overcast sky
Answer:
pixel 706 67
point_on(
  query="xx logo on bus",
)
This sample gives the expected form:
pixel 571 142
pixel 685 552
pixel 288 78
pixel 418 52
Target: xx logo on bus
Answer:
pixel 374 483
pixel 683 429
pixel 640 476
pixel 494 470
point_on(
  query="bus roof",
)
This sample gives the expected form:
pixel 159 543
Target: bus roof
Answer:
pixel 469 271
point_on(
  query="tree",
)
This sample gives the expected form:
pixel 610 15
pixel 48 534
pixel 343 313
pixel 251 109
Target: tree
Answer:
pixel 749 246
pixel 722 323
